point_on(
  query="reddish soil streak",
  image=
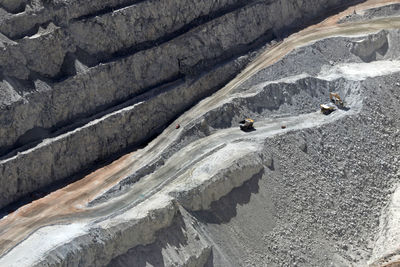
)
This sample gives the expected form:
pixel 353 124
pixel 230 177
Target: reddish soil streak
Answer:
pixel 72 199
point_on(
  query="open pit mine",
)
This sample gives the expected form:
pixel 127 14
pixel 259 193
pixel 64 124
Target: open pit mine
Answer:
pixel 120 142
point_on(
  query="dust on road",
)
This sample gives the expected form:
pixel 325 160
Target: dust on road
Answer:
pixel 70 203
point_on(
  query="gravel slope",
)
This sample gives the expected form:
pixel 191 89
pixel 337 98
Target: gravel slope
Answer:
pixel 320 191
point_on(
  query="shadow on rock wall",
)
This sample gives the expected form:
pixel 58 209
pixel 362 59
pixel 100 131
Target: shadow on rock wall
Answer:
pixel 141 256
pixel 223 210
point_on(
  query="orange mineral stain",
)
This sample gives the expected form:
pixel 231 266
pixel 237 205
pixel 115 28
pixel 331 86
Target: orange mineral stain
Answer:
pixel 64 205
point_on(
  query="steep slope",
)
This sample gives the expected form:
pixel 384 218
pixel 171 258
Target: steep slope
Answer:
pixel 315 192
pixel 82 81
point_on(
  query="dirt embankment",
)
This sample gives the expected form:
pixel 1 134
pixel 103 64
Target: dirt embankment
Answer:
pixel 78 88
pixel 310 194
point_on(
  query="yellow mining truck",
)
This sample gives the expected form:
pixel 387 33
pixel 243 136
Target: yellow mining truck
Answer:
pixel 327 109
pixel 246 124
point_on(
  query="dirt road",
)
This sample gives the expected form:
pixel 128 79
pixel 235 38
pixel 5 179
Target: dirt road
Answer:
pixel 70 203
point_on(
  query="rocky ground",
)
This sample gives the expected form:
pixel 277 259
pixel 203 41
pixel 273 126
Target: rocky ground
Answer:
pixel 302 189
pixel 80 80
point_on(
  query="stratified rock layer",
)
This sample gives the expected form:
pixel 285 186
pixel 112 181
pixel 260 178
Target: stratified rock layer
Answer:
pixel 82 81
pixel 301 189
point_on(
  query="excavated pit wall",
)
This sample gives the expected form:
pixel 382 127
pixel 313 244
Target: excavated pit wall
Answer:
pixel 324 180
pixel 105 84
pixel 297 210
pixel 64 155
pixel 59 83
pixel 274 98
pixel 289 200
pixel 146 224
pixel 296 193
pixel 314 183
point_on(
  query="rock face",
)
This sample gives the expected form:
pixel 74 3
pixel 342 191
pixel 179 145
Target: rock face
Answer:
pixel 82 81
pixel 288 199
